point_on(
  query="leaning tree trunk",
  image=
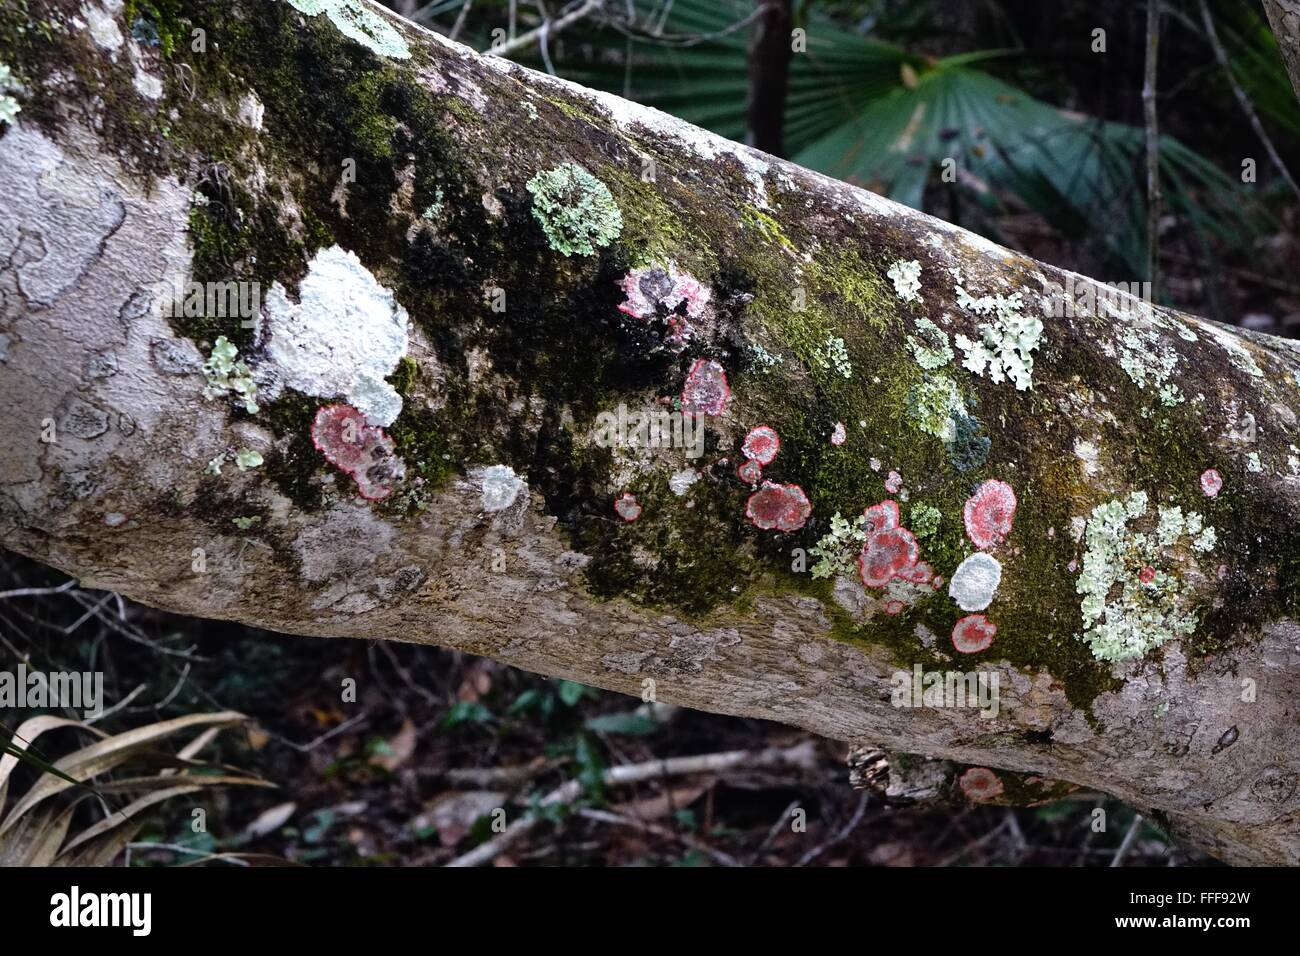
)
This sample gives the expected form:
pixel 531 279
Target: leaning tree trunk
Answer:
pixel 463 269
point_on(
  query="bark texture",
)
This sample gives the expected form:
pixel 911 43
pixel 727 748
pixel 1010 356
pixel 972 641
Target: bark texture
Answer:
pixel 141 161
pixel 1284 18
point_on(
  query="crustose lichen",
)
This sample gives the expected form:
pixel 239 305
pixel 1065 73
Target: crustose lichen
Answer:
pixel 575 209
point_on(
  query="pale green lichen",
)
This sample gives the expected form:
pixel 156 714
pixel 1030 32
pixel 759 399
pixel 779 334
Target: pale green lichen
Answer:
pixel 934 405
pixel 247 458
pixel 1253 464
pixel 227 373
pixel 575 210
pixel 925 520
pixel 1124 615
pixel 834 354
pixel 214 466
pixel 358 22
pixel 763 357
pixel 243 524
pixel 906 276
pixel 9 107
pixel 1007 345
pixel 434 209
pixel 1149 362
pixel 836 550
pixel 930 346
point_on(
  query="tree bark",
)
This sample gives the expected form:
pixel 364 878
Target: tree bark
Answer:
pixel 291 142
pixel 1284 18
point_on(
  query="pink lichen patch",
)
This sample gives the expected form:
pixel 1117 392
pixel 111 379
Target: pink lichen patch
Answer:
pixel 341 434
pixel 1211 482
pixel 627 507
pixel 839 436
pixel 886 555
pixel 1147 574
pixel 894 608
pixel 779 507
pixel 654 287
pixel 706 391
pixel 881 517
pixel 750 472
pixel 893 482
pixel 980 784
pixel 919 573
pixel 989 513
pixel 973 633
pixel 761 444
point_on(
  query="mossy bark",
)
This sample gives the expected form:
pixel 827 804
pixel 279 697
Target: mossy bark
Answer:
pixel 283 136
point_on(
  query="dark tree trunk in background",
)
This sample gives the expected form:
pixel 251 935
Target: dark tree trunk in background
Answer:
pixel 769 75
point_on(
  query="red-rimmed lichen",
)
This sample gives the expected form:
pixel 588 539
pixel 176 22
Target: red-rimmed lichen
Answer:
pixel 973 633
pixel 778 507
pixel 341 434
pixel 989 512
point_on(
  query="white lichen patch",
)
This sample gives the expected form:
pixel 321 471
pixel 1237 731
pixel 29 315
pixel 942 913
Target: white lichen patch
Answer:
pixel 500 487
pixel 9 108
pixel 975 582
pixel 227 374
pixel 832 353
pixel 680 482
pixel 930 345
pixel 1007 344
pixel 356 21
pixel 101 22
pixel 1134 583
pixel 343 337
pixel 906 276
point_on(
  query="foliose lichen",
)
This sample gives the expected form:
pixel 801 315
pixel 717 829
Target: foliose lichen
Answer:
pixel 1007 345
pixel 1130 604
pixel 575 209
pixel 906 276
pixel 228 374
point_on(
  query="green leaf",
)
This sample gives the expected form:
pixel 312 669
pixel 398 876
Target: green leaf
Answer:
pixel 631 724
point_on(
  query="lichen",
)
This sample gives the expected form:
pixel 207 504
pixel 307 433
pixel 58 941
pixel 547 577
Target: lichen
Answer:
pixel 832 354
pixel 925 520
pixel 365 26
pixel 9 107
pixel 1150 362
pixel 1130 603
pixel 227 374
pixel 930 346
pixel 906 276
pixel 247 458
pixel 575 210
pixel 1007 344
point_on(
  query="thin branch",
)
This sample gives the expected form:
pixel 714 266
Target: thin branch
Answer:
pixel 1212 34
pixel 801 755
pixel 542 33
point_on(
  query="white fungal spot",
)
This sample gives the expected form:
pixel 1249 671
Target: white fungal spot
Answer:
pixel 344 336
pixel 975 582
pixel 501 486
pixel 103 26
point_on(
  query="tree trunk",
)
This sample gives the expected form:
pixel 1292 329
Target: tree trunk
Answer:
pixel 325 159
pixel 769 76
pixel 1284 18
